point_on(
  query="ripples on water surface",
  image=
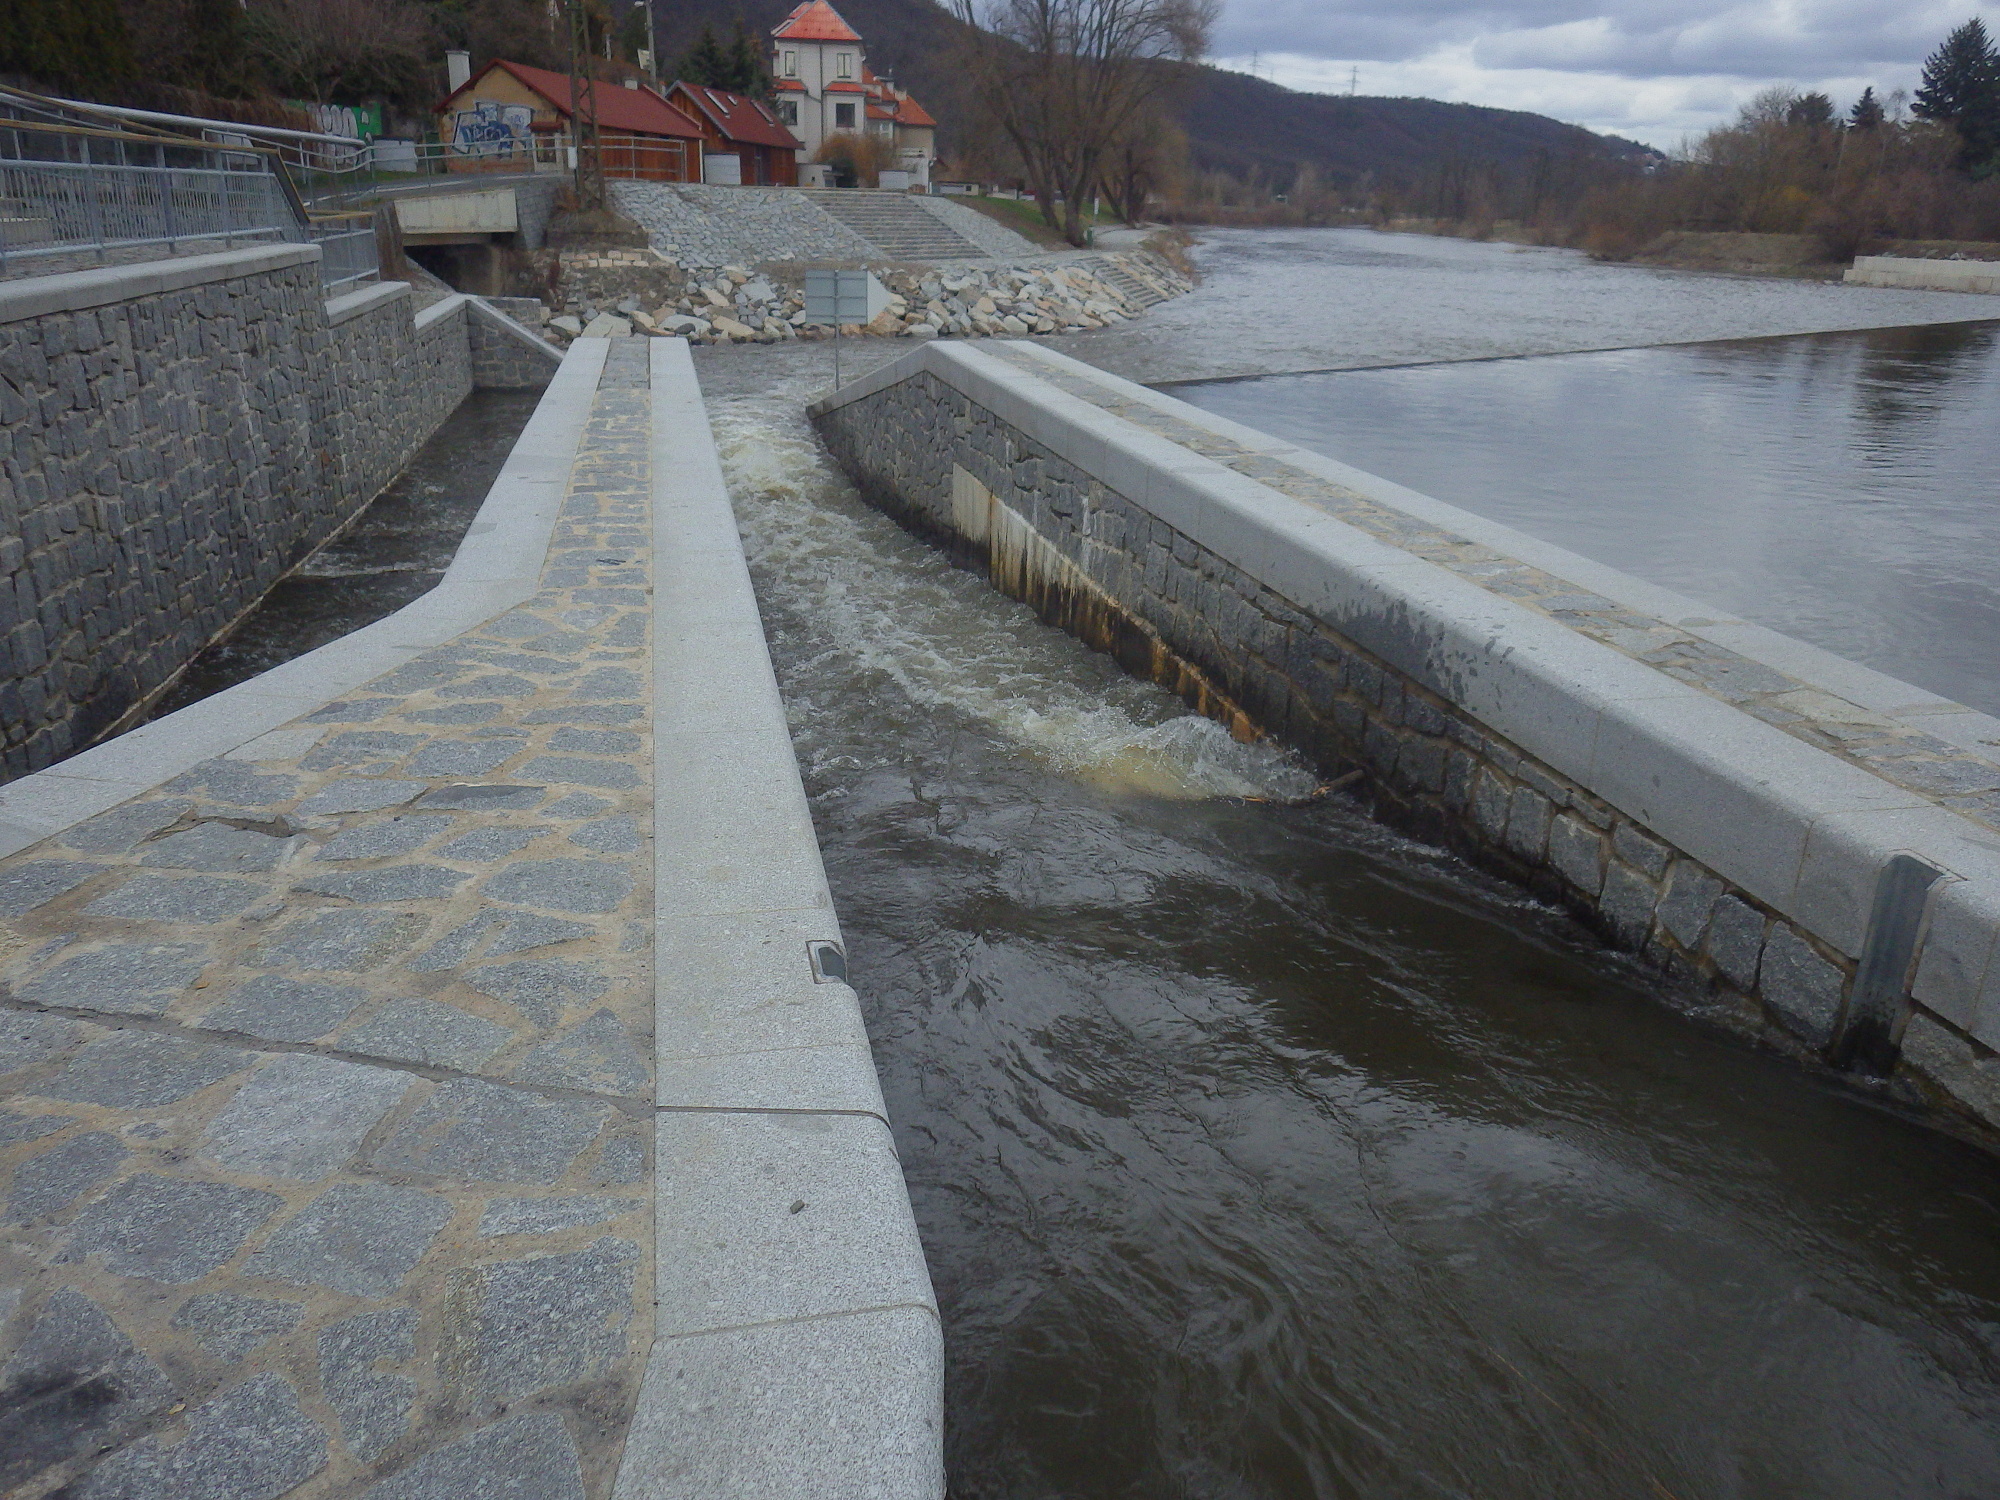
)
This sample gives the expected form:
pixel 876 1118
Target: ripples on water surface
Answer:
pixel 1843 488
pixel 1260 1153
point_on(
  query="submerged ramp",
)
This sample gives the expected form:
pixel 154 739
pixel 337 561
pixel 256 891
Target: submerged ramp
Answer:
pixel 1811 844
pixel 428 1067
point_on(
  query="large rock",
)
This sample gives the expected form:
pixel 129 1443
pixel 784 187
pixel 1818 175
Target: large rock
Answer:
pixel 607 326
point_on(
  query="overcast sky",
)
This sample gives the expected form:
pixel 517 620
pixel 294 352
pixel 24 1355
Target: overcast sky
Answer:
pixel 1653 70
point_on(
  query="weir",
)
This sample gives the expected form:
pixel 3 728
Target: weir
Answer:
pixel 433 1063
pixel 1807 844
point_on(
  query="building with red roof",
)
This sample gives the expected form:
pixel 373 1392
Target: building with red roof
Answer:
pixel 511 117
pixel 825 88
pixel 735 124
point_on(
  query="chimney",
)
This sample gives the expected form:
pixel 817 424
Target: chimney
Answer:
pixel 457 70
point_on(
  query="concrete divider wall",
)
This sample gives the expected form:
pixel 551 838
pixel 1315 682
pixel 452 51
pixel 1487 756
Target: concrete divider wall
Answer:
pixel 1920 274
pixel 174 437
pixel 1812 846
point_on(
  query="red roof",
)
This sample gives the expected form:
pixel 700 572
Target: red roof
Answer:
pixel 619 109
pixel 815 21
pixel 845 86
pixel 909 112
pixel 790 86
pixel 738 117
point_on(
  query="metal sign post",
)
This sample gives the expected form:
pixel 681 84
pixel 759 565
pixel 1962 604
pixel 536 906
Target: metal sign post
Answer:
pixel 841 297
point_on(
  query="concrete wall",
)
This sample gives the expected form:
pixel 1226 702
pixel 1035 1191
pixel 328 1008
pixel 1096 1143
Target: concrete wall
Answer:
pixel 1925 275
pixel 174 437
pixel 1805 843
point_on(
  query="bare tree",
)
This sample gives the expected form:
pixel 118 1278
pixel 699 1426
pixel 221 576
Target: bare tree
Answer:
pixel 1147 158
pixel 1065 79
pixel 344 49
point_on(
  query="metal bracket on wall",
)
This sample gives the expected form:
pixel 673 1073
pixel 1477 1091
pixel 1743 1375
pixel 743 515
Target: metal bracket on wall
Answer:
pixel 1871 1039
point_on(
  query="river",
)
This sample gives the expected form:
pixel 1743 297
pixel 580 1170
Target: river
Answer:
pixel 1837 487
pixel 1258 1152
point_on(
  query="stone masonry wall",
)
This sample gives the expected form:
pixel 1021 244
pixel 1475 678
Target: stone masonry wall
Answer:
pixel 1171 609
pixel 507 355
pixel 392 381
pixel 170 446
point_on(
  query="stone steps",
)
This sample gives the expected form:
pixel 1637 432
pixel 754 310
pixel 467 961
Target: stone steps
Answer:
pixel 1141 290
pixel 899 227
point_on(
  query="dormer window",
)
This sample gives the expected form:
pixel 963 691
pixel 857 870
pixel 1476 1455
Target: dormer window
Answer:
pixel 843 64
pixel 791 65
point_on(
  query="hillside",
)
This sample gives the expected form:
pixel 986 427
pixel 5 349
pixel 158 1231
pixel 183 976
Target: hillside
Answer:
pixel 1234 122
pixel 1240 124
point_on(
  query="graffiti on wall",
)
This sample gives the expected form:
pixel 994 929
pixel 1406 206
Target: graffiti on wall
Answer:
pixel 490 129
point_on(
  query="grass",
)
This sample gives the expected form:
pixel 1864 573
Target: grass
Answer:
pixel 1024 217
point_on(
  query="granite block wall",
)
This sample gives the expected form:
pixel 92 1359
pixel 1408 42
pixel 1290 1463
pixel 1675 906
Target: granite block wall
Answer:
pixel 171 444
pixel 507 355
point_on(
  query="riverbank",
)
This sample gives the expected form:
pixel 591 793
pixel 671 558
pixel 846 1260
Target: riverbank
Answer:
pixel 619 292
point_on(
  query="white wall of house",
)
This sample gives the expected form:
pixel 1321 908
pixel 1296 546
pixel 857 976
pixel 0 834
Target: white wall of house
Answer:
pixel 814 65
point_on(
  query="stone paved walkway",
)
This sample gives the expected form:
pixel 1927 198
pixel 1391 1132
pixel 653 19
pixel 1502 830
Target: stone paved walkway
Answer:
pixel 327 1075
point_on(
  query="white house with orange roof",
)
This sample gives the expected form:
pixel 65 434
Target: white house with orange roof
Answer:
pixel 825 87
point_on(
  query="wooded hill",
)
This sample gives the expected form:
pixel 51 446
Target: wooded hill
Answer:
pixel 1247 127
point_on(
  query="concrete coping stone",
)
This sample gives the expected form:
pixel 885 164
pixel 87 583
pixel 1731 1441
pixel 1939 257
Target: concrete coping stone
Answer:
pixel 788 1262
pixel 439 310
pixel 76 291
pixel 520 508
pixel 353 304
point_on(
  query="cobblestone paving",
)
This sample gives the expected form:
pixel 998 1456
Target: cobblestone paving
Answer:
pixel 325 1078
pixel 1898 753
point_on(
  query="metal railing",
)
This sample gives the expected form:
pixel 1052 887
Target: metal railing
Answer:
pixel 348 249
pixel 75 182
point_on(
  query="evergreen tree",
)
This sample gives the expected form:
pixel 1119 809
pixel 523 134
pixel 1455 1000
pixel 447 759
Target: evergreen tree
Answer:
pixel 749 72
pixel 70 44
pixel 1961 88
pixel 705 63
pixel 1867 112
pixel 1815 111
pixel 632 34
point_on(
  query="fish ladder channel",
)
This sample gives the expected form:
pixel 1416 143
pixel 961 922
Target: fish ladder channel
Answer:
pixel 1260 1151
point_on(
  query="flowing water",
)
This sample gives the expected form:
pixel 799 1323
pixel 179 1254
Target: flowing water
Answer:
pixel 1843 488
pixel 1316 299
pixel 1258 1152
pixel 396 549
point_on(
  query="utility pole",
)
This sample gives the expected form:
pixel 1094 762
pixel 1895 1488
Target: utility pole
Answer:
pixel 589 174
pixel 1353 77
pixel 652 42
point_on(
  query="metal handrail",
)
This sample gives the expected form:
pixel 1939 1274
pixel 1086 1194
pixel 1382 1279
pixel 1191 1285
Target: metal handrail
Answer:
pixel 192 191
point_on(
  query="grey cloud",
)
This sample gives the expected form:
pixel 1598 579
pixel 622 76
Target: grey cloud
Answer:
pixel 1632 38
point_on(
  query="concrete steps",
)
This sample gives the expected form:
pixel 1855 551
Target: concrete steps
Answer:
pixel 1139 288
pixel 894 223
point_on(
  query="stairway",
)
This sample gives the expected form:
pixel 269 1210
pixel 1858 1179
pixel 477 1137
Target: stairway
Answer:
pixel 897 225
pixel 1140 290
